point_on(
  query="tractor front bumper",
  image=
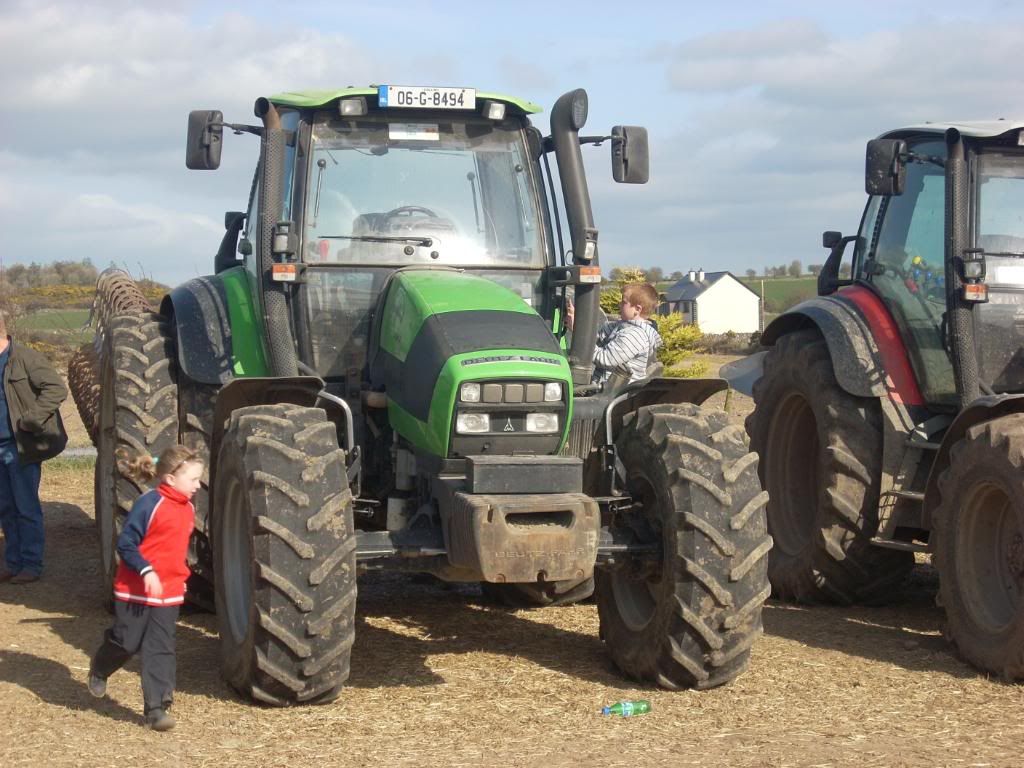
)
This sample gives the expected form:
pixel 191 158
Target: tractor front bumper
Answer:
pixel 522 537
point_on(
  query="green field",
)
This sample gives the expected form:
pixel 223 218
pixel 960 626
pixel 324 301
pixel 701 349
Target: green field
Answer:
pixel 57 326
pixel 781 293
pixel 55 320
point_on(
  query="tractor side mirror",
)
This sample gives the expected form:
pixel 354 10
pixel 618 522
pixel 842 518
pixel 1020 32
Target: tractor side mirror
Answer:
pixel 226 258
pixel 885 167
pixel 205 139
pixel 828 278
pixel 630 156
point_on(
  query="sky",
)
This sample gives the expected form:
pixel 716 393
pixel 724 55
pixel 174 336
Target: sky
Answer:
pixel 757 113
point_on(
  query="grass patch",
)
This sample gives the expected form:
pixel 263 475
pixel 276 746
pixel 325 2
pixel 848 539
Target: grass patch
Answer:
pixel 56 320
pixel 71 464
pixel 781 293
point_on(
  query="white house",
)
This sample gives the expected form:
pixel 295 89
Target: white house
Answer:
pixel 716 301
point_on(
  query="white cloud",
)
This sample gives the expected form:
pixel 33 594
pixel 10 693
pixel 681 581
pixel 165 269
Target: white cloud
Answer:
pixel 96 97
pixel 772 150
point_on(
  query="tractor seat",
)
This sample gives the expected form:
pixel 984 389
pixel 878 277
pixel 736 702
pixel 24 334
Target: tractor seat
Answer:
pixel 367 223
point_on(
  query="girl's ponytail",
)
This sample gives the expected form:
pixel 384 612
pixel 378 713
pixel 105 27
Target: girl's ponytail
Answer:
pixel 142 468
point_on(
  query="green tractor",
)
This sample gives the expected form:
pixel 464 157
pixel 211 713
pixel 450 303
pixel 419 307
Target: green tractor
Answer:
pixel 380 373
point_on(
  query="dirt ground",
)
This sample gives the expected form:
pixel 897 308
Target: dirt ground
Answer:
pixel 440 677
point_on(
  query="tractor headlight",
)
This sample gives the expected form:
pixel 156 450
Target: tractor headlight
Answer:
pixel 472 423
pixel 470 393
pixel 552 392
pixel 542 422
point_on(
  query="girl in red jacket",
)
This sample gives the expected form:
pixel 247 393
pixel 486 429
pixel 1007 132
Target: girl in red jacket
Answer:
pixel 149 586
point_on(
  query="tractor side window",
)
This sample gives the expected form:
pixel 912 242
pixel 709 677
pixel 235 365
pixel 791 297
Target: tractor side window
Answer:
pixel 250 235
pixel 905 264
pixel 866 236
pixel 290 122
pixel 339 304
pixel 999 230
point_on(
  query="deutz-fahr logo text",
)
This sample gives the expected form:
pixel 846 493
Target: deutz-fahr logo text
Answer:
pixel 578 552
pixel 508 358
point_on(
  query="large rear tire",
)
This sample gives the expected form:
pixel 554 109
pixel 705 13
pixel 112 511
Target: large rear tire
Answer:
pixel 821 463
pixel 138 410
pixel 688 620
pixel 195 415
pixel 84 383
pixel 284 555
pixel 979 552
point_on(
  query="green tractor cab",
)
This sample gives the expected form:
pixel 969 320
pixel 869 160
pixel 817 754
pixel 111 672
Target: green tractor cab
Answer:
pixel 380 373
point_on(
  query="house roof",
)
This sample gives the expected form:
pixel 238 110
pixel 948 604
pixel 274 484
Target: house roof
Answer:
pixel 688 290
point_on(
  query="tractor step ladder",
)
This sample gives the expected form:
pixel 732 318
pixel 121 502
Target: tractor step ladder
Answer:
pixel 916 444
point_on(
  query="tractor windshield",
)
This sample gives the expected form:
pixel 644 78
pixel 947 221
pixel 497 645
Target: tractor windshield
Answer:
pixel 999 227
pixel 429 190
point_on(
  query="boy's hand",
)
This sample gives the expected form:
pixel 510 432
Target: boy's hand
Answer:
pixel 570 314
pixel 153 586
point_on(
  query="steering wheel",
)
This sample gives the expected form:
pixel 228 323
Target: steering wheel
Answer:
pixel 410 209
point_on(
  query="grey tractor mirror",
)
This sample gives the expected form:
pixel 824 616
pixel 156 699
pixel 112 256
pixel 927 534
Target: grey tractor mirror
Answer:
pixel 630 159
pixel 885 167
pixel 205 139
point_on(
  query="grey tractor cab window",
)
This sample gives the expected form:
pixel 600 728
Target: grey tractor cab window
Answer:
pixel 454 193
pixel 903 240
pixel 999 227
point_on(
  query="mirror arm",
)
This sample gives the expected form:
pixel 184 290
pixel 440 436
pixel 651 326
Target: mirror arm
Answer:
pixel 910 157
pixel 547 144
pixel 239 128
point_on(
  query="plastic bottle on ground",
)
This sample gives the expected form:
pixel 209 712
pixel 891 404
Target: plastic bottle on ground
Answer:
pixel 627 708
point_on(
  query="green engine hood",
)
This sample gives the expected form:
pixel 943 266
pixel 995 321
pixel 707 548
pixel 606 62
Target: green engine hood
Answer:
pixel 440 328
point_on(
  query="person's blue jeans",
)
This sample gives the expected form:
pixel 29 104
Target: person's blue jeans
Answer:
pixel 21 514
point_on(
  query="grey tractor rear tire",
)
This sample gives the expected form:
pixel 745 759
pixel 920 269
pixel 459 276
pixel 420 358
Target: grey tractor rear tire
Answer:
pixel 195 414
pixel 284 555
pixel 979 550
pixel 138 410
pixel 821 464
pixel 690 619
pixel 84 383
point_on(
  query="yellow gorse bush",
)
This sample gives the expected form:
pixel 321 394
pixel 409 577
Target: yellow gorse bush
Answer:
pixel 679 341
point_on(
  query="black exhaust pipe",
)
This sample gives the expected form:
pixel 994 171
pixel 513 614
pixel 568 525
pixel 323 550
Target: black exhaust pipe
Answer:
pixel 961 313
pixel 280 341
pixel 568 117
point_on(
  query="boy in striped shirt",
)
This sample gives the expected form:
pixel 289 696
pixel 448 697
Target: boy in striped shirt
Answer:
pixel 626 345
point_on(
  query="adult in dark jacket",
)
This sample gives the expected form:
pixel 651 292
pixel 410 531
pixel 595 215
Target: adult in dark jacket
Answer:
pixel 31 431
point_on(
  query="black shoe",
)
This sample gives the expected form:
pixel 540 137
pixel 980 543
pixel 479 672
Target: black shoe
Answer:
pixel 97 685
pixel 159 720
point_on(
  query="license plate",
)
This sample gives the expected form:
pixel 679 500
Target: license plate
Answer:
pixel 425 97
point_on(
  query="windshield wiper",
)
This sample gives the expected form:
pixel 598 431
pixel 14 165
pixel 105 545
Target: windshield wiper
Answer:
pixel 426 242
